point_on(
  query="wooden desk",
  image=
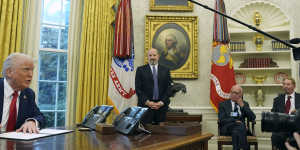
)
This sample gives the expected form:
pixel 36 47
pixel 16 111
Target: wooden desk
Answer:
pixel 86 140
pixel 183 117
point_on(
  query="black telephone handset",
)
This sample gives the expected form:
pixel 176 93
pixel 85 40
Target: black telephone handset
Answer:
pixel 128 122
pixel 97 115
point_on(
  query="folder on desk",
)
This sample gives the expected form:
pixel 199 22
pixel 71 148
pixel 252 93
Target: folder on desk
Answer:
pixel 32 136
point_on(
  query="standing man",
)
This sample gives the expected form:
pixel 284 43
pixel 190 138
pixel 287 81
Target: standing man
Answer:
pixel 232 114
pixel 151 83
pixel 18 110
pixel 285 103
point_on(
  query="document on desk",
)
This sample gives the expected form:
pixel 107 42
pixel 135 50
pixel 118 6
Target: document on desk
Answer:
pixel 31 136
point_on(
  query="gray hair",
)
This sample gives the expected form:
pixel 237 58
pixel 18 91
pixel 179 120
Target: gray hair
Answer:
pixel 173 37
pixel 10 61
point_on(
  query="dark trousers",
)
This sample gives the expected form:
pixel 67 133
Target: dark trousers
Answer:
pixel 154 116
pixel 278 139
pixel 238 132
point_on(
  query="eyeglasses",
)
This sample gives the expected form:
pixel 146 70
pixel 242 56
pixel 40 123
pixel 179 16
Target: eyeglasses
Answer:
pixel 235 92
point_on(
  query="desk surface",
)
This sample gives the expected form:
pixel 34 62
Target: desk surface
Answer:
pixel 88 140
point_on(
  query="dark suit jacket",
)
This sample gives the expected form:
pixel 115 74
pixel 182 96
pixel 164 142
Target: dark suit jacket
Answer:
pixel 27 106
pixel 278 138
pixel 279 103
pixel 144 84
pixel 225 118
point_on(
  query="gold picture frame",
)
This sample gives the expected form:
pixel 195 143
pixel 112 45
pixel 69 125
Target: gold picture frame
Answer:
pixel 176 39
pixel 174 5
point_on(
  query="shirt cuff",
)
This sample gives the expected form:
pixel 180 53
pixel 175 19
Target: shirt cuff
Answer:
pixel 161 103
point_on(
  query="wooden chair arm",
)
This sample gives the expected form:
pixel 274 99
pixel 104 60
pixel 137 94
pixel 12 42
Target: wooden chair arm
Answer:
pixel 219 130
pixel 253 127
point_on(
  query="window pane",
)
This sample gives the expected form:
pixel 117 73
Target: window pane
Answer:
pixel 52 84
pixel 49 37
pixel 47 95
pixel 52 12
pixel 49 118
pixel 63 67
pixel 66 11
pixel 61 119
pixel 48 66
pixel 61 104
pixel 64 38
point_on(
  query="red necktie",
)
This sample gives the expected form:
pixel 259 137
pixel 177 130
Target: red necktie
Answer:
pixel 288 105
pixel 12 119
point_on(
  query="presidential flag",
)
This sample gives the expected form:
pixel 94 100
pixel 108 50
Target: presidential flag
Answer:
pixel 222 73
pixel 122 72
pixel 123 45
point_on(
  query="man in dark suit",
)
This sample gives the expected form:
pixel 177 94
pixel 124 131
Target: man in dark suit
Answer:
pixel 285 103
pixel 151 83
pixel 18 110
pixel 232 114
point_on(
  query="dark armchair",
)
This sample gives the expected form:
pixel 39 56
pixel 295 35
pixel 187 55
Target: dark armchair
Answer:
pixel 227 140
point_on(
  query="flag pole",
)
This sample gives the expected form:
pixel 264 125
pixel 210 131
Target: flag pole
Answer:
pixel 252 28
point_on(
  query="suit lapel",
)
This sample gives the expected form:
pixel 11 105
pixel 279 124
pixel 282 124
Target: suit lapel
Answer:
pixel 229 106
pixel 1 97
pixel 282 103
pixel 149 72
pixel 297 101
pixel 158 74
pixel 22 99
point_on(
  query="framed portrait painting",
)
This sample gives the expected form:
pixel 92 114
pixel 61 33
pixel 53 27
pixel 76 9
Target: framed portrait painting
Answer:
pixel 176 39
pixel 171 5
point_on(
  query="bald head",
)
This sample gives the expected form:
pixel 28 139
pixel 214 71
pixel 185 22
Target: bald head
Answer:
pixel 237 88
pixel 236 92
pixel 153 56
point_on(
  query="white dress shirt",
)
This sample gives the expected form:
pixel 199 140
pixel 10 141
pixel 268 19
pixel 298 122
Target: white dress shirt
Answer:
pixel 292 99
pixel 8 95
pixel 155 68
pixel 238 106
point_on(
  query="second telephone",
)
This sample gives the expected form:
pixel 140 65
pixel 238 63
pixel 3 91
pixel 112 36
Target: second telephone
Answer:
pixel 97 115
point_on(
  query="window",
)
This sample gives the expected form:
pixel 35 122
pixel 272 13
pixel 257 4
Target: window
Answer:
pixel 53 59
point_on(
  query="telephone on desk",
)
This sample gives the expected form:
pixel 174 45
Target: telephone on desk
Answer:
pixel 97 115
pixel 128 122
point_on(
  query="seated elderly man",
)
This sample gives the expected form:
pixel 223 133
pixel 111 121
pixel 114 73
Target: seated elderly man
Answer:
pixel 18 110
pixel 232 114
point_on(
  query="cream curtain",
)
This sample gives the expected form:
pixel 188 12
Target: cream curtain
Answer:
pixel 73 59
pixel 95 55
pixel 10 27
pixel 30 39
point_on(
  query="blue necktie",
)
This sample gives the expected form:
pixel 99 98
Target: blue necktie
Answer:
pixel 155 87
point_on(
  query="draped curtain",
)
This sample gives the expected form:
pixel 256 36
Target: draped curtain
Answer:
pixel 30 40
pixel 73 59
pixel 11 15
pixel 90 46
pixel 95 55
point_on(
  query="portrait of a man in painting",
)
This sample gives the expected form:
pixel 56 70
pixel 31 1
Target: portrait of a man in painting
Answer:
pixel 173 45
